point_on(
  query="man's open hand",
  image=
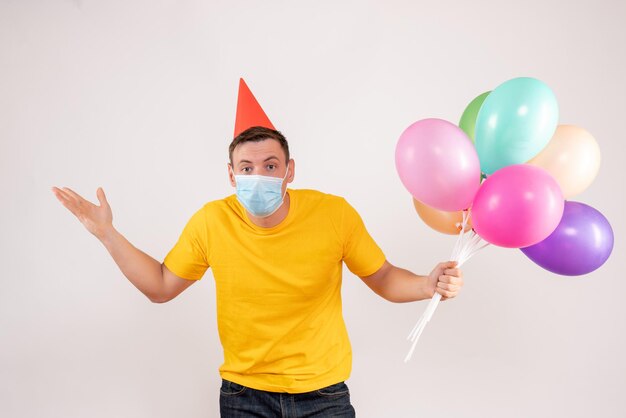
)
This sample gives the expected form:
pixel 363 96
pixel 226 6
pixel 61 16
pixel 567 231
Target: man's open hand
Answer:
pixel 97 219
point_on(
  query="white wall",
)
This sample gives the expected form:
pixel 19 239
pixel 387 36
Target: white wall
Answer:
pixel 139 97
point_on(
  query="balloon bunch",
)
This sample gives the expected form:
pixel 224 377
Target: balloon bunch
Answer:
pixel 502 177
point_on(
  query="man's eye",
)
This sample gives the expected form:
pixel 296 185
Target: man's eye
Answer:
pixel 246 169
pixel 271 166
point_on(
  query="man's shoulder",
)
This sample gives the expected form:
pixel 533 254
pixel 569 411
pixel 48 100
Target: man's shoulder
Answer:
pixel 221 202
pixel 218 207
pixel 314 194
pixel 309 197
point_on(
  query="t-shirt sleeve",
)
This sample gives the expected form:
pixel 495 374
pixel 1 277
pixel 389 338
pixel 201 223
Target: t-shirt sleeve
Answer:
pixel 360 252
pixel 188 257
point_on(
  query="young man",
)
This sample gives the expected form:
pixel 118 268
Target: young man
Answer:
pixel 276 254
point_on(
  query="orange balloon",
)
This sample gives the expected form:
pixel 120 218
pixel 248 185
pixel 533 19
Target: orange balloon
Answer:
pixel 572 157
pixel 439 220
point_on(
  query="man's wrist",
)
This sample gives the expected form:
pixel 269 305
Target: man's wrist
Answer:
pixel 107 235
pixel 427 289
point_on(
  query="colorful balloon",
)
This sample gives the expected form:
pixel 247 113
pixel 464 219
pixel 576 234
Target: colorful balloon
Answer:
pixel 572 157
pixel 439 220
pixel 517 206
pixel 438 165
pixel 515 122
pixel 580 244
pixel 468 118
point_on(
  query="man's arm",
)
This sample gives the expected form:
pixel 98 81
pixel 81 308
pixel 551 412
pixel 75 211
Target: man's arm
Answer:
pixel 152 278
pixel 399 285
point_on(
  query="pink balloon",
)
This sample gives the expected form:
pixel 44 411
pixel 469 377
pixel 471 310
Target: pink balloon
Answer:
pixel 517 206
pixel 438 164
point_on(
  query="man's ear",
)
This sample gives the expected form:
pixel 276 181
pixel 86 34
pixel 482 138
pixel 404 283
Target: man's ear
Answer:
pixel 292 170
pixel 231 174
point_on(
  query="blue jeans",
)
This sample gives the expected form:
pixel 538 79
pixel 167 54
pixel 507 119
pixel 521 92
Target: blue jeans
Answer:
pixel 237 401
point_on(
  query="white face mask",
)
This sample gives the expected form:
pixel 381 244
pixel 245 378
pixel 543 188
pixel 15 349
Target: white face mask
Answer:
pixel 260 195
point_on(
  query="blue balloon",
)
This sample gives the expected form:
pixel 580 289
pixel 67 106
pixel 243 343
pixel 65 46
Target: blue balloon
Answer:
pixel 516 121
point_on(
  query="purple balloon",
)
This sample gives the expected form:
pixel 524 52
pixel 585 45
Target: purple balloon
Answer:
pixel 580 244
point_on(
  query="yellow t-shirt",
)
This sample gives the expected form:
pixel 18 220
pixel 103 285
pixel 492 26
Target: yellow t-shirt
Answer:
pixel 279 289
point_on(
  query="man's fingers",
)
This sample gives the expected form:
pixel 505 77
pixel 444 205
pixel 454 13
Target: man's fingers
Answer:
pixel 447 265
pixel 73 193
pixel 67 201
pixel 453 272
pixel 451 279
pixel 446 293
pixel 62 196
pixel 77 205
pixel 67 196
pixel 449 287
pixel 78 198
pixel 101 197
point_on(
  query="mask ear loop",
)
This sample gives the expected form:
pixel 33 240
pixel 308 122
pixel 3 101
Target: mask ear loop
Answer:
pixel 282 199
pixel 285 178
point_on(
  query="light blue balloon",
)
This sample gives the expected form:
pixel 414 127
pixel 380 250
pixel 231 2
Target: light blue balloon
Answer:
pixel 516 121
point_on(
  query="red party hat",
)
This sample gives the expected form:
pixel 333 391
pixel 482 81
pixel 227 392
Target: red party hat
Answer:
pixel 249 112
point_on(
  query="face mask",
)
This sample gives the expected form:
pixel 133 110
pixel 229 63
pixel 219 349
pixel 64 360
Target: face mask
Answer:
pixel 260 195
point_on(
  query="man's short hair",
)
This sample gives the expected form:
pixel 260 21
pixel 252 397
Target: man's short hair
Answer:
pixel 257 134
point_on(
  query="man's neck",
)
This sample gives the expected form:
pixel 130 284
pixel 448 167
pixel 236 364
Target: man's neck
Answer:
pixel 275 218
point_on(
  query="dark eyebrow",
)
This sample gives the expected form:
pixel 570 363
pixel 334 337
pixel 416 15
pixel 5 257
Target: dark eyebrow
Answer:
pixel 272 157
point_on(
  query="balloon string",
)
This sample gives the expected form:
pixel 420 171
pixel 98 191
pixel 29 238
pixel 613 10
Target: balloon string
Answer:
pixel 463 250
pixel 457 244
pixel 477 250
pixel 475 245
pixel 468 246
